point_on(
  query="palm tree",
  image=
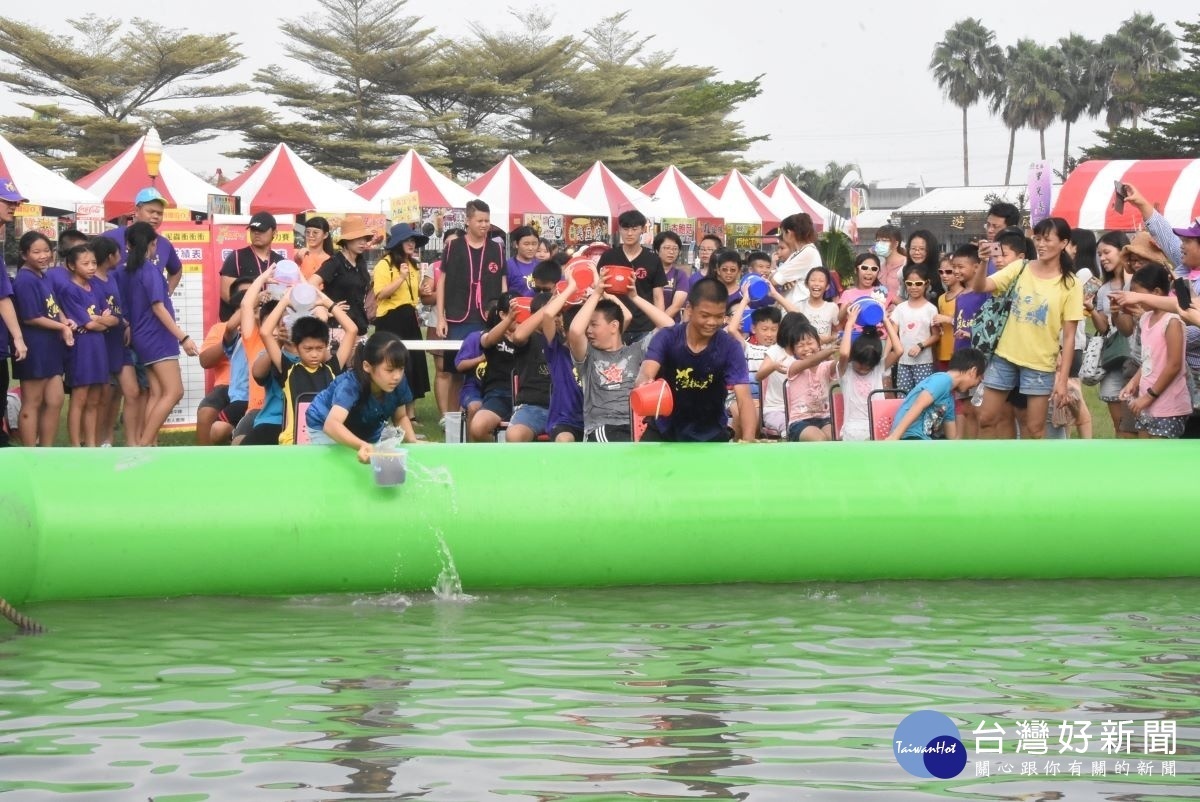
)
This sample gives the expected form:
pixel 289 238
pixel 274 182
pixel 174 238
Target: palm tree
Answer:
pixel 1141 47
pixel 966 65
pixel 1083 85
pixel 1029 95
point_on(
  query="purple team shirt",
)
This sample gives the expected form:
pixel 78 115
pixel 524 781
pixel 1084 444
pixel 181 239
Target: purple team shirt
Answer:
pixel 520 277
pixel 566 396
pixel 966 307
pixel 699 382
pixel 151 341
pixel 164 257
pixel 6 291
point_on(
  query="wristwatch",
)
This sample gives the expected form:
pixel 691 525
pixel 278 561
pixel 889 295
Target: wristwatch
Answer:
pixel 1150 392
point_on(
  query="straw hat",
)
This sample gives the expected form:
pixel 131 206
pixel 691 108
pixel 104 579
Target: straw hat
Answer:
pixel 1144 247
pixel 354 227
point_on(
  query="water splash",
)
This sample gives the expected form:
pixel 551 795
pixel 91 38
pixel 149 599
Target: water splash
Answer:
pixel 448 587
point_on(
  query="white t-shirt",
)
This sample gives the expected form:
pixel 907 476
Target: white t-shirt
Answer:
pixel 856 388
pixel 795 270
pixel 823 317
pixel 773 399
pixel 915 327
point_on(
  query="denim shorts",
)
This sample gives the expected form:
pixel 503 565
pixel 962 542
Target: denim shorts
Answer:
pixel 797 427
pixel 1004 375
pixel 530 416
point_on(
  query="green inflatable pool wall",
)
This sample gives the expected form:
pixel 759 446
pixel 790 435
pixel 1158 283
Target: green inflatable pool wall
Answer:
pixel 77 524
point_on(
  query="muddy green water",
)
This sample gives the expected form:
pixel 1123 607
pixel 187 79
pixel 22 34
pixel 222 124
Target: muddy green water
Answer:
pixel 754 693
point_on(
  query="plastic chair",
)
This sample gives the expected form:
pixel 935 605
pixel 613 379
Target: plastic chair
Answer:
pixel 881 411
pixel 300 433
pixel 837 409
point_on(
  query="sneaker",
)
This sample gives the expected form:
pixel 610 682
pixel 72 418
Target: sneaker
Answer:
pixel 442 423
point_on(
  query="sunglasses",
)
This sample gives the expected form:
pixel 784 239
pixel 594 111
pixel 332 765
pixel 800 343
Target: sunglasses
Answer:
pixel 914 284
pixel 945 272
pixel 868 268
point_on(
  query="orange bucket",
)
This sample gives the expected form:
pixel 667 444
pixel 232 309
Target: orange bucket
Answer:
pixel 653 400
pixel 619 279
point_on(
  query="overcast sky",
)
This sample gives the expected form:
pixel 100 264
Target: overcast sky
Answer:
pixel 841 81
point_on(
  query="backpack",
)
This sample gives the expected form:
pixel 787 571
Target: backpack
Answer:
pixel 988 323
pixel 1091 372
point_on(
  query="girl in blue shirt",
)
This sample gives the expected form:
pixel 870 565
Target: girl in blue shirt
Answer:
pixel 353 410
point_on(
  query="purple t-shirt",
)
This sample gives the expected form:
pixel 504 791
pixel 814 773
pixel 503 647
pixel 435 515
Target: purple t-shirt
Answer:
pixel 164 257
pixel 6 291
pixel 140 291
pixel 470 349
pixel 520 277
pixel 60 279
pixel 966 306
pixel 566 396
pixel 80 303
pixel 699 382
pixel 110 291
pixel 32 297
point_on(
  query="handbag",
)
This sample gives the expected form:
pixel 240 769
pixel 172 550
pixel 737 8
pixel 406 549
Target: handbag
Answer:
pixel 1091 370
pixel 1115 351
pixel 988 323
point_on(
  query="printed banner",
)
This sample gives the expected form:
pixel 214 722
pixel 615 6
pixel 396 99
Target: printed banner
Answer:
pixel 583 230
pixel 1040 176
pixel 405 208
pixel 547 226
pixel 89 218
pixel 177 215
pixel 46 226
pixel 28 210
pixel 223 204
pixel 684 227
pixel 710 225
pixel 196 294
pixel 442 219
pixel 744 236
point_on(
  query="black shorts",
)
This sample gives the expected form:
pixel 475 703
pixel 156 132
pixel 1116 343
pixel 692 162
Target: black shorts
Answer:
pixel 233 412
pixel 610 434
pixel 218 399
pixel 564 428
pixel 266 434
pixel 653 435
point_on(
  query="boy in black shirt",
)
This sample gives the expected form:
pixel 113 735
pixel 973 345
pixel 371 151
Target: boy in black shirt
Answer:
pixel 647 269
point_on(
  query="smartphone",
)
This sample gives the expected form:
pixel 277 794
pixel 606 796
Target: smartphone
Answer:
pixel 1119 192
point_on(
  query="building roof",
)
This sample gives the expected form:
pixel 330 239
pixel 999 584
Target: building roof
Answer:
pixel 945 200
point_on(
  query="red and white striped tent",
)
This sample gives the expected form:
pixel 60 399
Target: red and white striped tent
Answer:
pixel 413 174
pixel 678 196
pixel 43 187
pixel 120 180
pixel 789 199
pixel 1086 197
pixel 599 187
pixel 283 183
pixel 512 191
pixel 743 202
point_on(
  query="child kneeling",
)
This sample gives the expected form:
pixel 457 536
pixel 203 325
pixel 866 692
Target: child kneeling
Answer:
pixel 353 410
pixel 928 410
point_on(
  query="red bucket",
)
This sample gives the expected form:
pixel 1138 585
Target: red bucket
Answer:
pixel 581 269
pixel 522 306
pixel 653 400
pixel 619 279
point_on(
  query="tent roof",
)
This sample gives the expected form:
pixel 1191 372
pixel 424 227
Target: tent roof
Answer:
pixel 600 187
pixel 790 199
pixel 118 181
pixel 283 182
pixel 1172 185
pixel 679 196
pixel 42 186
pixel 510 189
pixel 411 173
pixel 963 199
pixel 743 202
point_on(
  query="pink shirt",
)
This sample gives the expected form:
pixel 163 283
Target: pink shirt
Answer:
pixel 808 392
pixel 1175 400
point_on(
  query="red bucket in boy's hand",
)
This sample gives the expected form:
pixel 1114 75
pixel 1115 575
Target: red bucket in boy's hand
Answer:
pixel 592 252
pixel 522 306
pixel 581 269
pixel 618 279
pixel 653 400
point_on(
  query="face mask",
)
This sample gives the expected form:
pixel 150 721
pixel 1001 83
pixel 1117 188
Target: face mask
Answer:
pixel 882 249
